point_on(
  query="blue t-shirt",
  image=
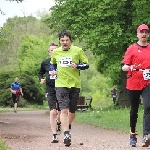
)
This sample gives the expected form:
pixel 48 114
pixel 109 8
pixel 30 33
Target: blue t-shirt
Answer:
pixel 16 86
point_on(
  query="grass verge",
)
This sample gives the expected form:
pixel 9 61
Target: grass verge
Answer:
pixel 111 118
pixel 3 145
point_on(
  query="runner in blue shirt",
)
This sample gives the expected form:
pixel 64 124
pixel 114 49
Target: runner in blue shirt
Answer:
pixel 16 92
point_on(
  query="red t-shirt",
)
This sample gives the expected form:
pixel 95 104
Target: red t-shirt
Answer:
pixel 139 55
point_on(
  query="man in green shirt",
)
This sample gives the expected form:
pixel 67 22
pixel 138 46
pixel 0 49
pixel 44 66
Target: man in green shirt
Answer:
pixel 66 62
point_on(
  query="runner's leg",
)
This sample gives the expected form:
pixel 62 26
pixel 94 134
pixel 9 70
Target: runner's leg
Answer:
pixel 51 97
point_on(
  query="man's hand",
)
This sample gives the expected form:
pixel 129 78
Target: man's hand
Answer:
pixel 52 73
pixel 135 66
pixel 42 81
pixel 73 65
pixel 22 94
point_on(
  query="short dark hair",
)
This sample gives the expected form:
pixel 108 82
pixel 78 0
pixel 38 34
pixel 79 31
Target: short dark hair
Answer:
pixel 53 44
pixel 64 33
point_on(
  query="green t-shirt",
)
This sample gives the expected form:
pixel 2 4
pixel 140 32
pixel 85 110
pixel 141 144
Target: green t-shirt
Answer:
pixel 66 75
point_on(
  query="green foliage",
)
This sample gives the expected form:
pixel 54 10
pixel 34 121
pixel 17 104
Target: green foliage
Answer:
pixel 13 32
pixel 94 84
pixel 138 13
pixel 22 102
pixel 2 39
pixel 31 53
pixel 31 89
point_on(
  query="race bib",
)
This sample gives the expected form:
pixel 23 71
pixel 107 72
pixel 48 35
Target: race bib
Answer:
pixel 146 74
pixel 52 77
pixel 114 95
pixel 65 61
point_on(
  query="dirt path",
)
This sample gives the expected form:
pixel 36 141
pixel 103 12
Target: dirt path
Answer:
pixel 30 130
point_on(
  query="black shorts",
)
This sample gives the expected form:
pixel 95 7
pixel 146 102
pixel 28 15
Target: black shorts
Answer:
pixel 14 98
pixel 52 100
pixel 68 98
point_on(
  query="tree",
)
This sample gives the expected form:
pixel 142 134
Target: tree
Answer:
pixel 31 52
pixel 107 27
pixel 13 32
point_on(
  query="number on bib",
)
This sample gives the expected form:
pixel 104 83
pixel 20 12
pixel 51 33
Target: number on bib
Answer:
pixel 146 74
pixel 52 77
pixel 65 61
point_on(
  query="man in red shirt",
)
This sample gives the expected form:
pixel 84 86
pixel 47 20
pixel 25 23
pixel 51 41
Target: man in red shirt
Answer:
pixel 136 62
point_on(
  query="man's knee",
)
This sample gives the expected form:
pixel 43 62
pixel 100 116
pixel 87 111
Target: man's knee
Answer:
pixel 53 112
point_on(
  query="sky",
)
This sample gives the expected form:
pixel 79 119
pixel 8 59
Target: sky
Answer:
pixel 26 8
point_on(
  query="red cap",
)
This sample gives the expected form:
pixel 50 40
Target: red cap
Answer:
pixel 142 27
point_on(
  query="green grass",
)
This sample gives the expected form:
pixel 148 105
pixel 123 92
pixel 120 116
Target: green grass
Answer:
pixel 110 118
pixel 26 108
pixel 3 145
pixel 21 109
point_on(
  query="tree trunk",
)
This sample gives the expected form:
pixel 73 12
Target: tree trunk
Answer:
pixel 123 99
pixel 127 18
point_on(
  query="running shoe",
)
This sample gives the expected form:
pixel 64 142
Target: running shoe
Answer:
pixel 67 140
pixel 133 139
pixel 146 141
pixel 55 140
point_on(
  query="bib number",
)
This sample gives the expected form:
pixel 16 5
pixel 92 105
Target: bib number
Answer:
pixel 65 61
pixel 146 74
pixel 52 77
